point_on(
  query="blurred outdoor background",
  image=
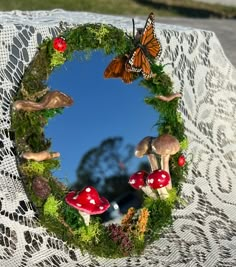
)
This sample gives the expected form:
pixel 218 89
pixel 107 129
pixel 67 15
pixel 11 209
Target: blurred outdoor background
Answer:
pixel 97 135
pixel 185 8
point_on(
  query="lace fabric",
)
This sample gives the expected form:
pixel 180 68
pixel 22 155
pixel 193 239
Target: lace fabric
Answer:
pixel 204 230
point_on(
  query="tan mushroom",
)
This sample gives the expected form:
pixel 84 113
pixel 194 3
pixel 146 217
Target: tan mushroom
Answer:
pixel 144 148
pixel 53 99
pixel 169 97
pixel 40 156
pixel 165 145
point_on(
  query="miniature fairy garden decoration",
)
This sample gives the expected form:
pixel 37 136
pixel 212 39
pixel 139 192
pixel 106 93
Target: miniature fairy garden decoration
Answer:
pixel 68 213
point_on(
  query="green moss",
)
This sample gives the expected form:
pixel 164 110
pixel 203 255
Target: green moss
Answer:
pixel 48 114
pixel 54 225
pixel 184 144
pixel 54 213
pixel 160 216
pixel 32 168
pixel 103 245
pixel 71 216
pixel 89 234
pixel 28 128
pixel 57 59
pixel 139 245
pixel 43 168
pixel 97 36
pixel 57 187
pixel 178 174
pixel 51 207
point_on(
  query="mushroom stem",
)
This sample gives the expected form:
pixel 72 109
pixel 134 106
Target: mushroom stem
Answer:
pixel 85 216
pixel 154 166
pixel 148 191
pixel 165 166
pixel 153 161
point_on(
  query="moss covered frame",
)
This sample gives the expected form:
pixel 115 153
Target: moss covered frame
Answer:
pixel 138 228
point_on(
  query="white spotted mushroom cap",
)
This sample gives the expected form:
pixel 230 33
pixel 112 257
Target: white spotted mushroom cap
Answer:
pixel 158 179
pixel 88 201
pixel 138 179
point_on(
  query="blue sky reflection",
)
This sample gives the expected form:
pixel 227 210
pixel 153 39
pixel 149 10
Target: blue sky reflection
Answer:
pixel 102 108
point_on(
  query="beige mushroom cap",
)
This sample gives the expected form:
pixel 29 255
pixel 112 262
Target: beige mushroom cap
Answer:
pixel 143 147
pixel 165 144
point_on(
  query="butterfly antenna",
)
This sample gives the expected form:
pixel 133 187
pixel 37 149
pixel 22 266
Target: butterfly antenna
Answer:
pixel 133 28
pixel 167 64
pixel 133 37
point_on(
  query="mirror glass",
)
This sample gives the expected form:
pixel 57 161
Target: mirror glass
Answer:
pixel 103 108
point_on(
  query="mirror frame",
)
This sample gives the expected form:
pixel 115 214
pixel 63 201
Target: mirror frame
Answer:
pixel 147 223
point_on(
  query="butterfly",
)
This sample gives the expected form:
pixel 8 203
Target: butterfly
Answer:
pixel 148 46
pixel 117 69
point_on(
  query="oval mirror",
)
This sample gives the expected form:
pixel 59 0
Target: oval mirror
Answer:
pixel 102 108
pixel 104 112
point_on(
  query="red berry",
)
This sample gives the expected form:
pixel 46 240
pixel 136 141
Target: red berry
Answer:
pixel 59 44
pixel 181 160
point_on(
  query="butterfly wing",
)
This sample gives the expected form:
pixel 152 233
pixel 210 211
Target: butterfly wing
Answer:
pixel 148 40
pixel 116 69
pixel 127 76
pixel 139 62
pixel 149 46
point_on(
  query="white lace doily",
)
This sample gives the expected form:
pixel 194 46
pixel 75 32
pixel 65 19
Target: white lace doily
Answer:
pixel 204 232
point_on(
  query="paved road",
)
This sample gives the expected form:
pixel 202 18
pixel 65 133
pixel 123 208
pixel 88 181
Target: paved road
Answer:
pixel 224 29
pixel 221 2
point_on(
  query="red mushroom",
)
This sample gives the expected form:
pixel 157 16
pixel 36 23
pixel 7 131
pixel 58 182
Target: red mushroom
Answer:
pixel 87 202
pixel 158 179
pixel 138 181
pixel 144 147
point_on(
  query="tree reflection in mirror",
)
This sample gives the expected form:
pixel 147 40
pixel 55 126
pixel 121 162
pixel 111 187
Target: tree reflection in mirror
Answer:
pixel 96 136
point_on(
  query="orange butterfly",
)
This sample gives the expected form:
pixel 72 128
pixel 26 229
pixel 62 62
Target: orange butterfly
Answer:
pixel 148 47
pixel 117 69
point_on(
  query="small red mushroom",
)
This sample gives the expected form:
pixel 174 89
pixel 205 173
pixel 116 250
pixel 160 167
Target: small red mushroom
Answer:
pixel 138 181
pixel 158 179
pixel 87 202
pixel 59 44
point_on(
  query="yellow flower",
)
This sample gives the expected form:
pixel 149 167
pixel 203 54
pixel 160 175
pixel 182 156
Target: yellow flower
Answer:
pixel 142 222
pixel 127 219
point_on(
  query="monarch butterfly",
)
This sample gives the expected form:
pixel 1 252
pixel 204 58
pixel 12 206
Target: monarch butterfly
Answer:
pixel 148 47
pixel 117 69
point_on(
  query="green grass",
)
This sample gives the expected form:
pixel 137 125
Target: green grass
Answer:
pixel 186 8
pixel 118 7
